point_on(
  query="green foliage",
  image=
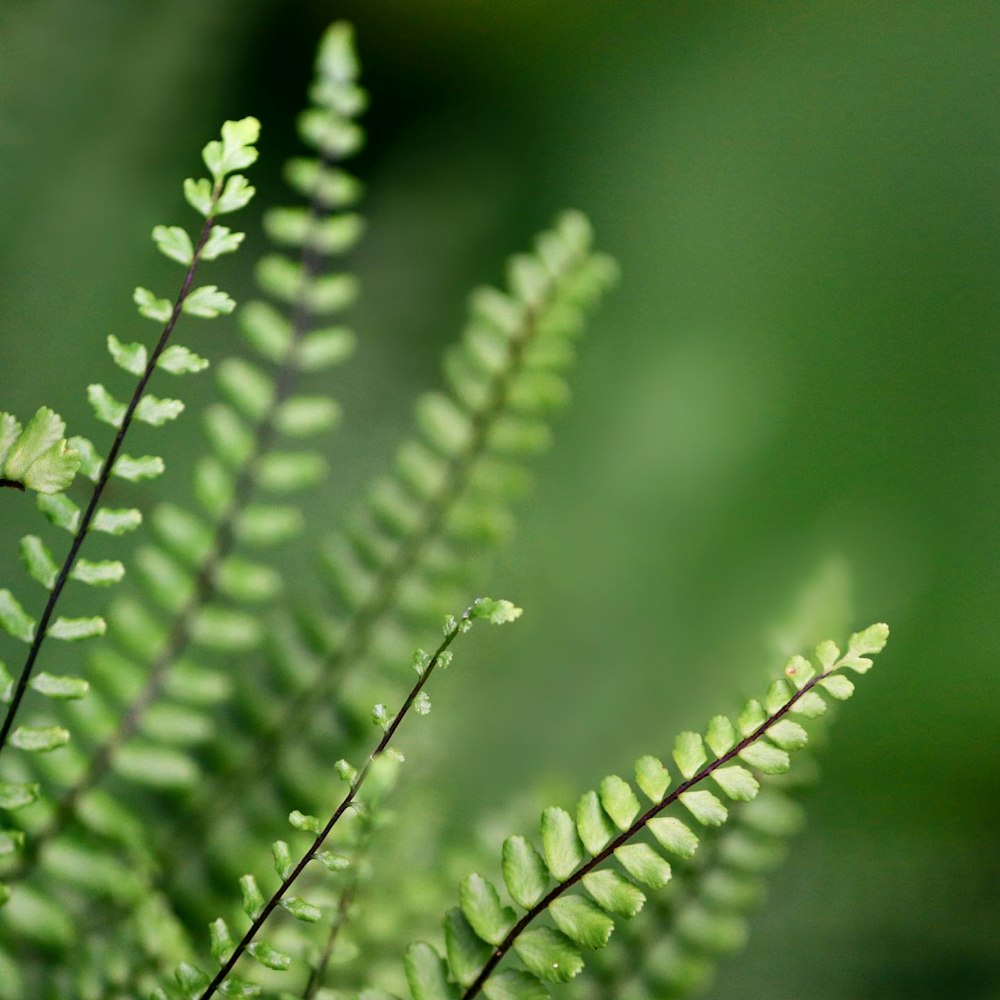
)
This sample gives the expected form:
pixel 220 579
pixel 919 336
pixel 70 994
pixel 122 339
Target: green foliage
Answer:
pixel 41 459
pixel 414 550
pixel 219 710
pixel 191 575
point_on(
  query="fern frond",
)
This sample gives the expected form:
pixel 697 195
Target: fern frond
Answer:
pixel 673 948
pixel 225 192
pixel 192 981
pixel 607 825
pixel 35 914
pixel 410 551
pixel 448 500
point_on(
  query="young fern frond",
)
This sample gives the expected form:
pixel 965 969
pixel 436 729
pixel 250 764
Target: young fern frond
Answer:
pixel 226 191
pixel 36 457
pixel 192 980
pixel 482 931
pixel 194 566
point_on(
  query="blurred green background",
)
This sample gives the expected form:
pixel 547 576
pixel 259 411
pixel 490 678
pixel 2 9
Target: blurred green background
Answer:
pixel 799 366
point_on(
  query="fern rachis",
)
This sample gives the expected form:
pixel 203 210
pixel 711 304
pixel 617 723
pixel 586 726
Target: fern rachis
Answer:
pixel 228 954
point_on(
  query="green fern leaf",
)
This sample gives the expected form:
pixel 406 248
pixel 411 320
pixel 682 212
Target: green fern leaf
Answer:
pixel 548 955
pixel 466 951
pixel 14 620
pixel 593 824
pixel 133 358
pixel 581 921
pixel 58 686
pixel 523 872
pixel 481 906
pixel 613 893
pixel 39 739
pixel 560 844
pixel 38 457
pixel 644 865
pixel 38 561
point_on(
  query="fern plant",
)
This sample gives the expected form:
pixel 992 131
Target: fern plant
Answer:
pixel 608 826
pixel 218 705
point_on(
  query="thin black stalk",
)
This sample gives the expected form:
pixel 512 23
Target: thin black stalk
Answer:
pixel 12 484
pixel 543 904
pixel 345 803
pixel 102 480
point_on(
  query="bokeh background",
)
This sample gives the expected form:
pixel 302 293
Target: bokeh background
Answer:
pixel 797 379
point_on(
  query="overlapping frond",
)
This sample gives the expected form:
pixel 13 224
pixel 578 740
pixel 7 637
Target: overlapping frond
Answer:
pixel 415 545
pixel 613 844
